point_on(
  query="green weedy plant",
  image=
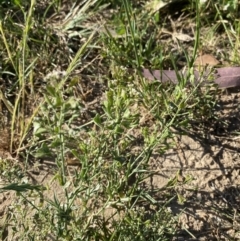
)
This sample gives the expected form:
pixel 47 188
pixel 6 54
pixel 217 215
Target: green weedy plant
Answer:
pixel 171 107
pixel 54 102
pixel 108 196
pixel 110 174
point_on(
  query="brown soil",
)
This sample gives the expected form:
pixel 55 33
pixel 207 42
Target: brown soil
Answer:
pixel 213 164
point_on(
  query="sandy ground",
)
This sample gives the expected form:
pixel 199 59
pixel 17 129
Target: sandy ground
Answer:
pixel 212 163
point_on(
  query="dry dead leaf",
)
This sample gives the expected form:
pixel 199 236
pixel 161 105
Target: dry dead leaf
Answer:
pixel 182 37
pixel 206 59
pixel 156 5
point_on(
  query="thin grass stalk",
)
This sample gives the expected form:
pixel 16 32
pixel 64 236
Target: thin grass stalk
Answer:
pixel 224 25
pixel 198 26
pixel 75 62
pixel 7 47
pixel 19 117
pixel 131 23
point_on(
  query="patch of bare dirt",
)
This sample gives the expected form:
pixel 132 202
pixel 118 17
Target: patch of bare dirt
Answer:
pixel 211 208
